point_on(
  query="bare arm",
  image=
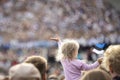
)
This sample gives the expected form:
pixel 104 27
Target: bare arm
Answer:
pixel 57 39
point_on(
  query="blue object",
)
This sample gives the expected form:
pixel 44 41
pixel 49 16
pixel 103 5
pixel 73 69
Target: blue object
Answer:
pixel 100 45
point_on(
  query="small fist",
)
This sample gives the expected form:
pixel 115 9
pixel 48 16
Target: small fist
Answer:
pixel 100 60
pixel 57 39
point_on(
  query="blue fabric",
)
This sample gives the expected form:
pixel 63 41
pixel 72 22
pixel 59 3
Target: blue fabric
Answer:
pixel 100 45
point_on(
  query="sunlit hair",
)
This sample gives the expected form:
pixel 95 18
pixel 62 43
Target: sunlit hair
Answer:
pixel 68 48
pixel 39 62
pixel 112 58
pixel 96 74
pixel 24 71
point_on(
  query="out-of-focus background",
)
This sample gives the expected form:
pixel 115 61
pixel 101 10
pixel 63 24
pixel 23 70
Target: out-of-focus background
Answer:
pixel 27 25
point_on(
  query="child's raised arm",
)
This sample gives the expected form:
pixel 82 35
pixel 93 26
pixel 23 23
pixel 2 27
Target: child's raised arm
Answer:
pixel 59 54
pixel 57 39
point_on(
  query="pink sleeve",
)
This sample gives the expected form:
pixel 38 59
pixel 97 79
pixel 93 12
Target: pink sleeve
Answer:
pixel 90 66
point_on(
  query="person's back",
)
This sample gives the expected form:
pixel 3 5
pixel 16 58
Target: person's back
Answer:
pixel 96 74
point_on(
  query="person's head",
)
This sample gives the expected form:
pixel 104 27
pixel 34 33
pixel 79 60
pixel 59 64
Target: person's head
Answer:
pixel 112 59
pixel 69 49
pixel 40 63
pixel 53 77
pixel 96 74
pixel 24 71
pixel 3 77
pixel 61 77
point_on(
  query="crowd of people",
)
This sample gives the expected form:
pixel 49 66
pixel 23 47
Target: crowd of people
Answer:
pixel 25 20
pixel 25 24
pixel 35 67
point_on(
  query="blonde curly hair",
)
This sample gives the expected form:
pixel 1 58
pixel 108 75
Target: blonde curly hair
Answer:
pixel 68 48
pixel 112 58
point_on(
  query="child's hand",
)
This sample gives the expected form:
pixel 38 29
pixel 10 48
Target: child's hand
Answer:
pixel 57 39
pixel 100 60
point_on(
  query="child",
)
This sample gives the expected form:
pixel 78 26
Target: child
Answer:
pixel 72 67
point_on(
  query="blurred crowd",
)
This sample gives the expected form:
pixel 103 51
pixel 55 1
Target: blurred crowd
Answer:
pixel 88 21
pixel 36 67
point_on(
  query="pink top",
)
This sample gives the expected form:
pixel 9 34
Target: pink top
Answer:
pixel 72 69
